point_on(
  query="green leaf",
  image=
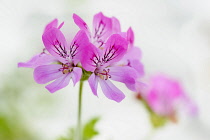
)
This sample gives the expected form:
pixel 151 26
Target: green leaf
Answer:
pixel 89 130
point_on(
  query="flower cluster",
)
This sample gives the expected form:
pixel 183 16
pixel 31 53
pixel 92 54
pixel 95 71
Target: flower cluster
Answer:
pixel 103 55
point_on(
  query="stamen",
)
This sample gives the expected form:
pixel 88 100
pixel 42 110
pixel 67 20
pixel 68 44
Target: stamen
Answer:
pixel 66 68
pixel 104 75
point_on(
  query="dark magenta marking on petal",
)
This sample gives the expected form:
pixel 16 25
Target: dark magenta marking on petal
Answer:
pixel 99 32
pixel 59 49
pixel 109 54
pixel 73 49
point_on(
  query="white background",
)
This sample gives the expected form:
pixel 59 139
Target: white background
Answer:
pixel 174 37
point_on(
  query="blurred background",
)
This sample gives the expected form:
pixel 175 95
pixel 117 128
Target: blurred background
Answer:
pixel 174 37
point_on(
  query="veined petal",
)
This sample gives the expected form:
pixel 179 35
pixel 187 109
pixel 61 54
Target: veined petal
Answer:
pixel 52 24
pixel 76 74
pixel 124 74
pixel 115 48
pixel 79 46
pixel 93 82
pixel 55 43
pixel 59 83
pixel 81 24
pixel 90 57
pixel 111 91
pixel 102 29
pixel 38 60
pixel 46 73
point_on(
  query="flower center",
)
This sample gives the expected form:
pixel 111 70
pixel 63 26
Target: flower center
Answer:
pixel 104 75
pixel 66 68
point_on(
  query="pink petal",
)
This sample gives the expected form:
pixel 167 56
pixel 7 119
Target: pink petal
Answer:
pixel 76 74
pixel 93 82
pixel 90 54
pixel 131 86
pixel 38 60
pixel 102 29
pixel 111 91
pixel 59 83
pixel 81 24
pixel 133 53
pixel 79 47
pixel 124 74
pixel 52 24
pixel 46 73
pixel 141 88
pixel 138 66
pixel 61 25
pixel 55 43
pixel 130 36
pixel 115 48
pixel 115 25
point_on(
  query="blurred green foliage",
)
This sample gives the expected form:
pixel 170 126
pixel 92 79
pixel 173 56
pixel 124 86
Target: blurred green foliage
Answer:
pixel 12 124
pixel 89 131
pixel 14 129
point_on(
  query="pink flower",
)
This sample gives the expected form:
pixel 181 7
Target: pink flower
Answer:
pixel 164 95
pixel 102 62
pixel 68 57
pixel 103 28
pixel 59 61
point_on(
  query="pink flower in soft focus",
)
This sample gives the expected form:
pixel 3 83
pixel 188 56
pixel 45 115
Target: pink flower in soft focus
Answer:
pixel 103 28
pixel 102 62
pixel 164 95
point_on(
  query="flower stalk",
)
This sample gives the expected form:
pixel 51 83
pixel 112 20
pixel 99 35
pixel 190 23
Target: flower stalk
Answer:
pixel 79 127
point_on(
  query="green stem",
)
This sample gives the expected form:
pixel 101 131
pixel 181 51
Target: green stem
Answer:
pixel 79 130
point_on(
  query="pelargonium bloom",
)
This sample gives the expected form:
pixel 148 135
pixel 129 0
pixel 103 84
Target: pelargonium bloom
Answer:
pixel 164 95
pixel 68 57
pixel 59 61
pixel 102 62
